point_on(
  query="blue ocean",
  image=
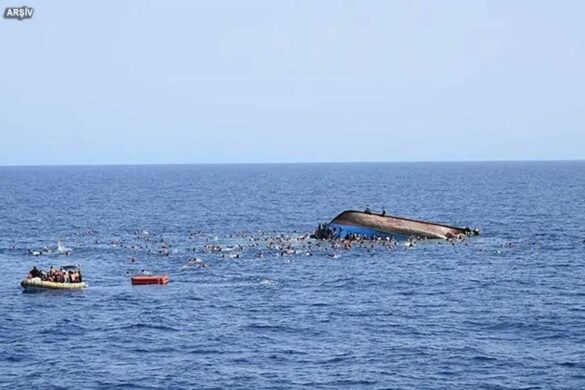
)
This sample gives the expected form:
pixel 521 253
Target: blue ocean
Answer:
pixel 504 310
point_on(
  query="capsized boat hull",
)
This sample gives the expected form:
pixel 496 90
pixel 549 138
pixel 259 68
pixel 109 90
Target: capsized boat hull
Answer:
pixel 378 225
pixel 38 284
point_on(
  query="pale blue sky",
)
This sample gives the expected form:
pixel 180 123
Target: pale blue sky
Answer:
pixel 289 81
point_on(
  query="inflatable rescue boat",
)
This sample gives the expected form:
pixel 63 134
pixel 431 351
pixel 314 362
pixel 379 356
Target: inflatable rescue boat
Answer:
pixel 38 284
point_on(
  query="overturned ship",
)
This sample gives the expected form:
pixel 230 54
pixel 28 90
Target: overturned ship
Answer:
pixel 370 225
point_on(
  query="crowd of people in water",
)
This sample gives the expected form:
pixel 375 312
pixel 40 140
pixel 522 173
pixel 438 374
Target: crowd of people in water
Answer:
pixel 140 246
pixel 57 275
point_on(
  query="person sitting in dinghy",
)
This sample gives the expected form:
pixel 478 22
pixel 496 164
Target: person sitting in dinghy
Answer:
pixel 35 273
pixel 56 276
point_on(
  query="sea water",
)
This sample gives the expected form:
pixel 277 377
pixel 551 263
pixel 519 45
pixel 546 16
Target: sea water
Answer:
pixel 504 310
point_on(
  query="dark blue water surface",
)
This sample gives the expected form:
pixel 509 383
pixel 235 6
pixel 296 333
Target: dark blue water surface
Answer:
pixel 505 310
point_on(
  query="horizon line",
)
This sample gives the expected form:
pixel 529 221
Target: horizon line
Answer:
pixel 282 163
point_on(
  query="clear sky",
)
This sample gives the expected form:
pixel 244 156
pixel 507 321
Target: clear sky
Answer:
pixel 292 81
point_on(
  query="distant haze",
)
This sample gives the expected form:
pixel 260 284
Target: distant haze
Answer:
pixel 292 81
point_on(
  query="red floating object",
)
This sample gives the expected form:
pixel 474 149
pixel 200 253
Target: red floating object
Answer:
pixel 149 279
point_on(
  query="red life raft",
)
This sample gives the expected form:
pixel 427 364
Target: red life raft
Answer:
pixel 149 279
